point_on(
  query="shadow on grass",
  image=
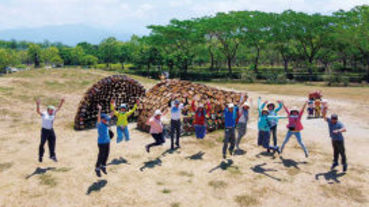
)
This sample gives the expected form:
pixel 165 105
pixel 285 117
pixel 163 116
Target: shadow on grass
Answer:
pixel 151 164
pixel 261 170
pixel 96 186
pixel 288 163
pixel 119 161
pixel 239 152
pixel 265 154
pixel 197 156
pixel 169 151
pixel 331 176
pixel 39 171
pixel 223 165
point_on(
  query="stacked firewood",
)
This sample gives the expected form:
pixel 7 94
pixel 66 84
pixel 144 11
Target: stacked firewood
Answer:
pixel 159 96
pixel 119 87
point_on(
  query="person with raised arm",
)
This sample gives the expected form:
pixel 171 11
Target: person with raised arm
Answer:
pixel 295 126
pixel 47 130
pixel 122 122
pixel 273 122
pixel 156 130
pixel 336 128
pixel 175 123
pixel 242 119
pixel 103 141
pixel 200 116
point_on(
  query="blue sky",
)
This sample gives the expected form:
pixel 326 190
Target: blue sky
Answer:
pixel 133 15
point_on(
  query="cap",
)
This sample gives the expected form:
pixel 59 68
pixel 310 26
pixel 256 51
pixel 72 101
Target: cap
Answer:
pixel 231 105
pixel 334 116
pixel 157 112
pixel 105 117
pixel 51 107
pixel 201 105
pixel 123 106
pixel 294 109
pixel 246 104
pixel 176 102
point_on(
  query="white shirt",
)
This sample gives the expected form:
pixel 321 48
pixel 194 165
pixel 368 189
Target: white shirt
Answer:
pixel 176 112
pixel 242 119
pixel 47 120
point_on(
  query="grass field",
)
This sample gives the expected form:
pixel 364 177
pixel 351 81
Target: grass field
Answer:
pixel 194 175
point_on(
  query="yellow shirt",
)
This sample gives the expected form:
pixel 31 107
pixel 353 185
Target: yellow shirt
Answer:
pixel 122 117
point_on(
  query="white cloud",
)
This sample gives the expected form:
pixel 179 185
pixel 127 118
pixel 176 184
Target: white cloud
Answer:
pixel 134 15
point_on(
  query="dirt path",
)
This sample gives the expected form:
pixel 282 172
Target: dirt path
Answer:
pixel 194 175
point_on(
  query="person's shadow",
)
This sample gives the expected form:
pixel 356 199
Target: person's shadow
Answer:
pixel 260 170
pixel 239 152
pixel 96 186
pixel 265 154
pixel 223 165
pixel 151 164
pixel 169 151
pixel 330 176
pixel 291 163
pixel 197 156
pixel 119 161
pixel 39 171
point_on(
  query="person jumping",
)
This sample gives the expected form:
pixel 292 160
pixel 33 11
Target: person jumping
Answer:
pixel 103 142
pixel 156 130
pixel 122 122
pixel 47 130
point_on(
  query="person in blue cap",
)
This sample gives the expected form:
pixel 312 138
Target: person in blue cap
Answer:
pixel 175 123
pixel 336 128
pixel 103 141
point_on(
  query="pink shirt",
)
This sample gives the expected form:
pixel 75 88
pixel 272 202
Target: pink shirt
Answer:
pixel 156 126
pixel 295 121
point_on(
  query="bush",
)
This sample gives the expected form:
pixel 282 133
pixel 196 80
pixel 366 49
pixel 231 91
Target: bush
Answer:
pixel 335 79
pixel 277 79
pixel 248 76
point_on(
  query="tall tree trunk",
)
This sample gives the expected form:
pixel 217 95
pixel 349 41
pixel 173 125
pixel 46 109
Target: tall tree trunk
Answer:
pixel 122 66
pixel 285 60
pixel 310 68
pixel 211 60
pixel 367 69
pixel 256 63
pixel 229 63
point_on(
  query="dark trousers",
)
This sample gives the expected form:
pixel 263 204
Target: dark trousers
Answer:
pixel 175 128
pixel 49 136
pixel 273 131
pixel 103 155
pixel 339 149
pixel 159 140
pixel 230 138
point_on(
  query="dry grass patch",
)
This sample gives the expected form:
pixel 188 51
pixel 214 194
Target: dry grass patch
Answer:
pixel 217 184
pixel 246 200
pixel 4 166
pixel 47 179
pixel 166 191
pixel 185 174
pixel 63 169
pixel 176 204
pixel 351 193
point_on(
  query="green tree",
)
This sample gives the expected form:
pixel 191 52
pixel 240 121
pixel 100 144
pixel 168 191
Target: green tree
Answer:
pixel 34 53
pixel 89 60
pixel 109 51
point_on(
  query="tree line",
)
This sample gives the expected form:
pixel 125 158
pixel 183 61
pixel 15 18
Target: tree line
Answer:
pixel 249 41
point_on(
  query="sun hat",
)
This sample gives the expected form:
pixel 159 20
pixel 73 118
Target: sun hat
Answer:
pixel 246 104
pixel 176 102
pixel 51 107
pixel 201 105
pixel 231 105
pixel 105 117
pixel 157 112
pixel 294 109
pixel 334 116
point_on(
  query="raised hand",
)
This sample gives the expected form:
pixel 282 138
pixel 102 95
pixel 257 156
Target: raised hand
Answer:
pixel 138 101
pixel 99 107
pixel 112 101
pixel 38 101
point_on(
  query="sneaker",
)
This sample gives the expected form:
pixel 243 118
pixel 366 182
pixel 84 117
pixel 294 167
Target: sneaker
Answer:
pixel 334 166
pixel 268 150
pixel 278 150
pixel 147 149
pixel 344 168
pixel 98 173
pixel 54 159
pixel 178 146
pixel 40 159
pixel 103 169
pixel 224 156
pixel 306 155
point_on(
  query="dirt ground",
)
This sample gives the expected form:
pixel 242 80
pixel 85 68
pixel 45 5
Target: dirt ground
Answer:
pixel 194 175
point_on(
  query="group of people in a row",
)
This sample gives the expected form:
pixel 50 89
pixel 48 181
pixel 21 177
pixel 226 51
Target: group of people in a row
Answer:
pixel 235 117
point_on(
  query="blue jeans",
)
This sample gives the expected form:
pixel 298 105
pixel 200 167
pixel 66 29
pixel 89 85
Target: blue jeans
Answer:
pixel 299 140
pixel 122 133
pixel 263 140
pixel 200 131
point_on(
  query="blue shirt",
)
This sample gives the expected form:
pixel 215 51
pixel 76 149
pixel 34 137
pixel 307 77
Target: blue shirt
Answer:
pixel 103 133
pixel 274 112
pixel 230 117
pixel 335 136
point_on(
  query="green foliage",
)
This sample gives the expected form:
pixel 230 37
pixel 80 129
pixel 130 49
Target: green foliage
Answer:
pixel 336 79
pixel 277 79
pixel 248 76
pixel 89 60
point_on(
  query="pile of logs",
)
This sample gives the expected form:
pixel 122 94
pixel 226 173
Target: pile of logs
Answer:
pixel 159 96
pixel 119 87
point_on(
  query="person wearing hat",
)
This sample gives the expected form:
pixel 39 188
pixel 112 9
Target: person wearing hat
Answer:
pixel 230 119
pixel 273 122
pixel 264 127
pixel 336 128
pixel 295 126
pixel 243 118
pixel 122 122
pixel 156 130
pixel 103 141
pixel 175 123
pixel 47 130
pixel 199 121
